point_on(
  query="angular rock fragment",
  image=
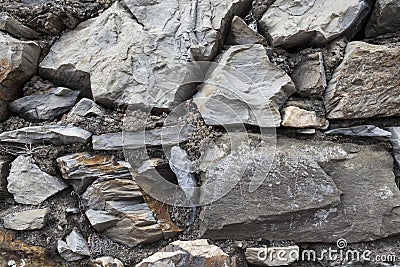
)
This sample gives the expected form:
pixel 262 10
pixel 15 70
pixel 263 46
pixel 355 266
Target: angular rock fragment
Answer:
pixel 309 76
pixel 366 84
pixel 29 185
pixel 74 248
pixel 86 107
pixel 272 256
pixel 26 220
pixel 351 194
pixel 303 23
pixel 241 34
pixel 53 134
pixel 362 130
pixel 82 169
pixel 384 18
pixel 4 171
pixel 300 118
pixel 45 106
pixel 101 220
pixel 15 28
pixel 151 44
pixel 18 63
pixel 189 253
pixel 235 92
pixel 132 140
pixel 106 262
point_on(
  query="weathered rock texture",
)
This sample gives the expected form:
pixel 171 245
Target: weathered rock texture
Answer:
pixel 384 19
pixel 235 92
pixel 300 23
pixel 150 53
pixel 330 190
pixel 26 220
pixel 18 63
pixel 366 84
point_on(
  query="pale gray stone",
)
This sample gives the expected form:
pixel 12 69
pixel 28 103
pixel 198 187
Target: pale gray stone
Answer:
pixel 74 248
pixel 384 18
pixel 101 220
pixel 365 84
pixel 29 185
pixel 26 220
pixel 239 92
pixel 362 130
pixel 53 134
pixel 86 107
pixel 45 106
pixel 241 34
pixel 308 22
pixel 107 262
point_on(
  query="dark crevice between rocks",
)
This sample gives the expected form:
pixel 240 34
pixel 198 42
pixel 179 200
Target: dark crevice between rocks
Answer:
pixel 360 35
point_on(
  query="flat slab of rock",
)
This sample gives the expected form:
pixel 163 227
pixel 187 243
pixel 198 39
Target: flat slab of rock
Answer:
pixel 366 84
pixel 26 220
pixel 29 185
pixel 362 130
pixel 18 63
pixel 330 190
pixel 235 92
pixel 82 169
pixel 53 134
pixel 241 34
pixel 151 45
pixel 301 118
pixel 86 107
pixel 188 253
pixel 384 18
pixel 272 256
pixel 302 23
pixel 74 248
pixel 45 106
pixel 15 28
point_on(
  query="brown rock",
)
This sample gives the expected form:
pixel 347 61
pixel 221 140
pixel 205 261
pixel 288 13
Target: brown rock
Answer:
pixel 300 118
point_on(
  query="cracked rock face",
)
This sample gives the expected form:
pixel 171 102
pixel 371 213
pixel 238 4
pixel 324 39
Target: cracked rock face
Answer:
pixel 384 19
pixel 149 52
pixel 292 23
pixel 331 190
pixel 235 92
pixel 366 84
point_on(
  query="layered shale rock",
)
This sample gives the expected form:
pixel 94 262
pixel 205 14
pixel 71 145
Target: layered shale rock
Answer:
pixel 29 185
pixel 150 53
pixel 26 220
pixel 362 131
pixel 384 19
pixel 293 23
pixel 366 84
pixel 86 107
pixel 235 92
pixel 18 63
pixel 331 190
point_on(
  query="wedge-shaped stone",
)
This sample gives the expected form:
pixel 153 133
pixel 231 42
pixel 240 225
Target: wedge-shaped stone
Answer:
pixel 26 220
pixel 241 34
pixel 366 84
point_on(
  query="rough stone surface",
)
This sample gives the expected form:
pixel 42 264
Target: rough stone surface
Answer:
pixel 366 84
pixel 81 169
pixel 26 220
pixel 309 76
pixel 29 185
pixel 87 107
pixel 302 23
pixel 362 130
pixel 188 253
pixel 238 93
pixel 18 63
pixel 150 52
pixel 384 18
pixel 272 256
pixel 101 220
pixel 358 201
pixel 15 28
pixel 300 118
pixel 53 134
pixel 74 248
pixel 45 106
pixel 242 34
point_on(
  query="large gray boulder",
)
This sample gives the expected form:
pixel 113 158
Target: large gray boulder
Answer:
pixel 244 87
pixel 365 84
pixel 150 43
pixel 18 63
pixel 330 190
pixel 301 23
pixel 384 18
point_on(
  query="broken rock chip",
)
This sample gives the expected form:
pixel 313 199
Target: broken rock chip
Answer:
pixel 151 44
pixel 301 118
pixel 384 18
pixel 26 220
pixel 303 23
pixel 18 63
pixel 366 84
pixel 53 134
pixel 235 92
pixel 241 34
pixel 45 106
pixel 100 220
pixel 331 190
pixel 86 107
pixel 189 253
pixel 29 185
pixel 15 28
pixel 272 256
pixel 106 262
pixel 362 130
pixel 82 169
pixel 74 248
